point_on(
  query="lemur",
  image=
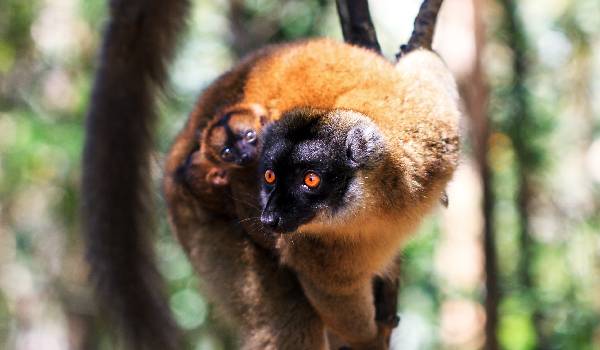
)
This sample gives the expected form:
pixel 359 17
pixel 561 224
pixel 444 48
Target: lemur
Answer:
pixel 227 137
pixel 264 298
pixel 414 101
pixel 348 184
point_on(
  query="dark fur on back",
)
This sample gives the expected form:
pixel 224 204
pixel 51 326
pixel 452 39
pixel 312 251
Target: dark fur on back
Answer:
pixel 138 42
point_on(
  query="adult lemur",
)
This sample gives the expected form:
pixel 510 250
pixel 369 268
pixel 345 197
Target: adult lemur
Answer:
pixel 266 300
pixel 351 176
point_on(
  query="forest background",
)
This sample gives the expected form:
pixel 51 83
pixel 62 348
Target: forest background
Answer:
pixel 514 262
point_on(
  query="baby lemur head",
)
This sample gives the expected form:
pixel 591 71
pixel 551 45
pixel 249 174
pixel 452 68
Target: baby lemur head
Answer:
pixel 313 163
pixel 231 138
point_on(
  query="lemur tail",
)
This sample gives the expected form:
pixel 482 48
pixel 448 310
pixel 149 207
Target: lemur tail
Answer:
pixel 424 27
pixel 138 42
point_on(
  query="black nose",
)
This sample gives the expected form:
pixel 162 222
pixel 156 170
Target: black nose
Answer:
pixel 270 220
pixel 245 158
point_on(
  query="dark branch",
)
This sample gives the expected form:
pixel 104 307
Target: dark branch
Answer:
pixel 424 27
pixel 356 23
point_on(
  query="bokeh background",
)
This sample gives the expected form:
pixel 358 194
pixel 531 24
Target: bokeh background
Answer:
pixel 514 260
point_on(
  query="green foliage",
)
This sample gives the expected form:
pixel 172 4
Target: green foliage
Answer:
pixel 516 328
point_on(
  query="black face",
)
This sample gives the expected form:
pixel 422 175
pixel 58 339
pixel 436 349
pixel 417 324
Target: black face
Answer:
pixel 241 148
pixel 307 165
pixel 233 138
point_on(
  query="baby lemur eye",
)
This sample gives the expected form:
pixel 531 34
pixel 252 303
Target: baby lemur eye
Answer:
pixel 250 136
pixel 270 177
pixel 227 154
pixel 312 179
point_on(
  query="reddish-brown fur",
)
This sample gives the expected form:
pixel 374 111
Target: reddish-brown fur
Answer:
pixel 414 105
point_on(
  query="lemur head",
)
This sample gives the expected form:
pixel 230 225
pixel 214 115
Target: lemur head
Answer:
pixel 311 164
pixel 231 138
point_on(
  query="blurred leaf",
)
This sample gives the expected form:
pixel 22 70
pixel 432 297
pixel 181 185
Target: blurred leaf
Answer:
pixel 516 328
pixel 189 308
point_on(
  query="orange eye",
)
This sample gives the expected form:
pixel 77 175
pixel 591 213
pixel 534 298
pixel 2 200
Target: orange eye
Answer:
pixel 312 179
pixel 270 177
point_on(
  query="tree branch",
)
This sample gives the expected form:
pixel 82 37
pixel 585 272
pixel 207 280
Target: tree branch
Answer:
pixel 356 23
pixel 522 129
pixel 424 27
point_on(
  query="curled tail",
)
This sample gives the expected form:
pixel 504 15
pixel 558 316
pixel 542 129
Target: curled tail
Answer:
pixel 424 27
pixel 138 42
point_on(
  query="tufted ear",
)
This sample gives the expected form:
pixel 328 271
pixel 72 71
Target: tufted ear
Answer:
pixel 364 145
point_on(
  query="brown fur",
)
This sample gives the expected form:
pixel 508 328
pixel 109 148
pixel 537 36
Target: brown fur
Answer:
pixel 252 291
pixel 209 181
pixel 335 259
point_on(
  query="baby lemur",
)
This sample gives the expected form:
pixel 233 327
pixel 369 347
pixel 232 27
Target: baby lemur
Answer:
pixel 362 151
pixel 229 140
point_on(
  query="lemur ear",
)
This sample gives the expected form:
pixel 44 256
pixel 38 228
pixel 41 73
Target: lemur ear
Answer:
pixel 364 145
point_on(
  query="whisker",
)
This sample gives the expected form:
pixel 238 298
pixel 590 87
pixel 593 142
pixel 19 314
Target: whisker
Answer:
pixel 252 205
pixel 250 199
pixel 256 218
pixel 246 196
